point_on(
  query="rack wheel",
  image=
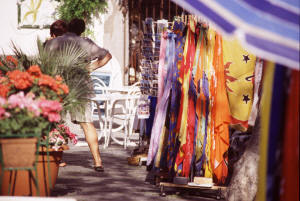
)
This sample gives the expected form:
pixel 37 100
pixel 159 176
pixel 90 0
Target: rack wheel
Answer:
pixel 219 194
pixel 162 191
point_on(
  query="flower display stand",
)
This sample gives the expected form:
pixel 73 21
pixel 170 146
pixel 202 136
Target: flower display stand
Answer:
pixel 47 170
pixel 17 154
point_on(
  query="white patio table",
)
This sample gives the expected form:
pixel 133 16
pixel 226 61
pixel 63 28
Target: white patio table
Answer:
pixel 112 100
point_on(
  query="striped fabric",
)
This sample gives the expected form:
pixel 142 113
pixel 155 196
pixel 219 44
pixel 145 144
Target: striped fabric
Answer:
pixel 269 29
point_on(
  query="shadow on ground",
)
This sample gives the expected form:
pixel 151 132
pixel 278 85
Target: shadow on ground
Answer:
pixel 119 182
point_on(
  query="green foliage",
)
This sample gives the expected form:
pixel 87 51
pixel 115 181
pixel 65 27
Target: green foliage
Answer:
pixel 69 63
pixel 83 9
pixel 21 122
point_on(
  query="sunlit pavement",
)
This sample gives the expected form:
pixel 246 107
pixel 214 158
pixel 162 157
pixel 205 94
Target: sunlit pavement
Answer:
pixel 119 181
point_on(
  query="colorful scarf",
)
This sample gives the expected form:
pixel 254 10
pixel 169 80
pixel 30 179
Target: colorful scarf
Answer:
pixel 239 70
pixel 162 105
pixel 185 77
pixel 220 116
pixel 173 143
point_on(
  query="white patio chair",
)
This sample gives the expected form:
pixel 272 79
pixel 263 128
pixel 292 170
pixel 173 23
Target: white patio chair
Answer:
pixel 100 108
pixel 124 119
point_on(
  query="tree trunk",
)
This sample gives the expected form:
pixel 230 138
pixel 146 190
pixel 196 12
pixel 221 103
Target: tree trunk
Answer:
pixel 243 184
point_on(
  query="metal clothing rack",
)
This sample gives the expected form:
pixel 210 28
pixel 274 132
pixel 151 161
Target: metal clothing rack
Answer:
pixel 214 191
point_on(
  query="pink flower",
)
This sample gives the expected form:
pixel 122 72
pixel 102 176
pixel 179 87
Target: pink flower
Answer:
pixel 16 100
pixel 21 101
pixel 50 109
pixel 53 117
pixel 2 101
pixel 49 105
pixel 75 140
pixel 2 112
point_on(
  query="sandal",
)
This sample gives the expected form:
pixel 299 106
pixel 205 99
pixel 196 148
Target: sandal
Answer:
pixel 99 168
pixel 62 164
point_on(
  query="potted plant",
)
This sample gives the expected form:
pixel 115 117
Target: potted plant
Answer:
pixel 30 106
pixel 53 84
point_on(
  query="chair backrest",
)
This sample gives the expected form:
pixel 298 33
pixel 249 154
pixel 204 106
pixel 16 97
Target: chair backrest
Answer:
pixel 99 86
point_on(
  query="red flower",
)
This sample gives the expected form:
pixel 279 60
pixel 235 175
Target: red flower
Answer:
pixel 4 89
pixel 65 88
pixel 12 60
pixel 3 79
pixel 34 71
pixel 58 78
pixel 46 80
pixel 21 80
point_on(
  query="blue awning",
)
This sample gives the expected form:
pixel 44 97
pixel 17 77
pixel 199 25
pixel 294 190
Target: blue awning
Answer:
pixel 267 28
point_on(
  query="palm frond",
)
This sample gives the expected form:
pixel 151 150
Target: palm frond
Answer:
pixel 70 64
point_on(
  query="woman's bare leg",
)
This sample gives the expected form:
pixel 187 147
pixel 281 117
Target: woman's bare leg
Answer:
pixel 92 140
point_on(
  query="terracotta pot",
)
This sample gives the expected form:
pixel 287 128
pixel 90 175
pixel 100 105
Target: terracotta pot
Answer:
pixel 22 183
pixel 12 148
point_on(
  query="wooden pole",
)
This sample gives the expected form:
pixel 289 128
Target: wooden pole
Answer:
pixel 161 16
pixel 153 12
pixel 146 5
pixel 169 13
pixel 139 15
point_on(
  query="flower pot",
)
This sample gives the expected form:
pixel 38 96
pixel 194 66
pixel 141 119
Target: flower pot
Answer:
pixel 13 148
pixel 24 186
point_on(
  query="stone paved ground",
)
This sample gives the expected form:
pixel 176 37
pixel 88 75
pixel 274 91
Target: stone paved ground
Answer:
pixel 119 182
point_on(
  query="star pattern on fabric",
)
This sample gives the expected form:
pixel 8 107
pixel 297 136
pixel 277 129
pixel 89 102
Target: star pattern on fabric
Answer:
pixel 246 98
pixel 246 58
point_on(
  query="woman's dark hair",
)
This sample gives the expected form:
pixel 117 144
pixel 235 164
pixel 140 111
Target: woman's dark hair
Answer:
pixel 76 26
pixel 58 28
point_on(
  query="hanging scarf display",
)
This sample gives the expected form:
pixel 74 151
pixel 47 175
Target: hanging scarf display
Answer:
pixel 161 67
pixel 210 72
pixel 273 104
pixel 155 135
pixel 289 183
pixel 264 137
pixel 161 108
pixel 275 129
pixel 160 158
pixel 220 117
pixel 196 75
pixel 173 143
pixel 181 167
pixel 203 103
pixel 194 134
pixel 279 156
pixel 239 70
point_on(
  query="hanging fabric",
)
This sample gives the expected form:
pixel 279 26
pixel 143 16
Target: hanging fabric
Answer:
pixel 181 168
pixel 220 117
pixel 203 102
pixel 161 108
pixel 264 137
pixel 161 67
pixel 290 169
pixel 239 70
pixel 210 72
pixel 173 143
pixel 275 130
pixel 160 158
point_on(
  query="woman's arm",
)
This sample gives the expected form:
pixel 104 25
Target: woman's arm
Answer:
pixel 99 63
